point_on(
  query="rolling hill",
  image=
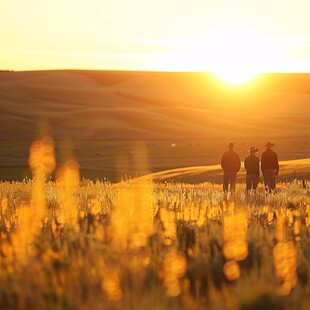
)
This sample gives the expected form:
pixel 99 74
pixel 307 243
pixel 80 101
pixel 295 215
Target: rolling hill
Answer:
pixel 178 119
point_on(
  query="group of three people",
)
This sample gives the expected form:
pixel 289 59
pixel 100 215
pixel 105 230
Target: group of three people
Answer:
pixel 269 165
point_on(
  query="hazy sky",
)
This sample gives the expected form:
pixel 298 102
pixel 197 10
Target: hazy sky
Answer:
pixel 155 34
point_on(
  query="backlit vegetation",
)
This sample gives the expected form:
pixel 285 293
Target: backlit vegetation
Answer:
pixel 80 244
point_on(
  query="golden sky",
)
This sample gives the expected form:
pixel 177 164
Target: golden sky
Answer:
pixel 197 35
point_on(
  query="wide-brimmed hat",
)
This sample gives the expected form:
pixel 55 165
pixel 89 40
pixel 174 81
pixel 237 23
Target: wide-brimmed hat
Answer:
pixel 269 144
pixel 253 149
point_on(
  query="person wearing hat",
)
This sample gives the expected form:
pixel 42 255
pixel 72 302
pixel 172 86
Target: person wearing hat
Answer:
pixel 231 164
pixel 251 165
pixel 270 167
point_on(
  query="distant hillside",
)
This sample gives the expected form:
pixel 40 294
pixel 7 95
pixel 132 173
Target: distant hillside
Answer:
pixel 151 105
pixel 98 116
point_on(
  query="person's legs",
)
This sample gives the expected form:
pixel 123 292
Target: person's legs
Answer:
pixel 225 181
pixel 266 179
pixel 272 174
pixel 233 179
pixel 248 182
pixel 255 181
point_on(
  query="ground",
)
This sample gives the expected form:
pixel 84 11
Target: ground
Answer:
pixel 112 122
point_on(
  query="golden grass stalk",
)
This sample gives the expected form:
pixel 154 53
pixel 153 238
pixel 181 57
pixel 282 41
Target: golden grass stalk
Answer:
pixel 67 182
pixel 42 163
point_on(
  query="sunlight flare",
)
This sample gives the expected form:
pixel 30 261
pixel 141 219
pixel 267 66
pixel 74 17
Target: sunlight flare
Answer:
pixel 235 55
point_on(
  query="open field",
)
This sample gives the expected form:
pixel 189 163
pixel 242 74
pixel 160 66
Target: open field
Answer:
pixel 153 241
pixel 110 121
pixel 140 245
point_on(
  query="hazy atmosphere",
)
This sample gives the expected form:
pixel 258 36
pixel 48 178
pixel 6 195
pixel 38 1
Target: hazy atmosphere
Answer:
pixel 156 35
pixel 155 154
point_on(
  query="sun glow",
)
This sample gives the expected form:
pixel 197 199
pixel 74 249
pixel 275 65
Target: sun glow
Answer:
pixel 235 55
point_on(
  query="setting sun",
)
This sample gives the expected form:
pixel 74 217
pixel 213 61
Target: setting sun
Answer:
pixel 236 55
pixel 232 53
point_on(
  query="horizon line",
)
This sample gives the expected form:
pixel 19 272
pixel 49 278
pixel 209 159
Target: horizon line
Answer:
pixel 141 70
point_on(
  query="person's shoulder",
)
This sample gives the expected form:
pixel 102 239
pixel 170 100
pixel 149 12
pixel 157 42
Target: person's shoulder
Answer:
pixel 272 153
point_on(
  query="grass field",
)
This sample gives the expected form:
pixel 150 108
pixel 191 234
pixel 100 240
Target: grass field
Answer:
pixel 124 208
pixel 137 245
pixel 72 244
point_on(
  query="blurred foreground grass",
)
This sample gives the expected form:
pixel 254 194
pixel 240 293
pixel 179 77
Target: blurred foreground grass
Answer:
pixel 72 244
pixel 137 245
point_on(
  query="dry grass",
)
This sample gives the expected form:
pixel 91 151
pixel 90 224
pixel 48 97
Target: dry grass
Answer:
pixel 74 244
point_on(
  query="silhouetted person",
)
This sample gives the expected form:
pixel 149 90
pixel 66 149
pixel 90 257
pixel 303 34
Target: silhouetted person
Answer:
pixel 251 165
pixel 270 167
pixel 231 165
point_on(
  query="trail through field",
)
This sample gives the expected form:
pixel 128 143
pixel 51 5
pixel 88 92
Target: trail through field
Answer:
pixel 199 174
